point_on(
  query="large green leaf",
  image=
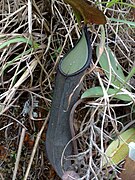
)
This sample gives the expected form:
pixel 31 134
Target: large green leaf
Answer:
pixel 111 67
pixel 98 92
pixel 118 149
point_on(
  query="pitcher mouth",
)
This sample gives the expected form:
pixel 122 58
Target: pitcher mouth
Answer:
pixel 72 64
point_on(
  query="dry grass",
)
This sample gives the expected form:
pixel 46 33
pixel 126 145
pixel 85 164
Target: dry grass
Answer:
pixel 35 37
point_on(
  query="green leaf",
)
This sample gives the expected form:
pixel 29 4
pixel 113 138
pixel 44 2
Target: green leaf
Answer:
pixel 18 40
pixel 118 149
pixel 98 92
pixel 130 74
pixel 93 92
pixel 111 67
pixel 9 63
pixel 111 3
pixel 114 2
pixel 130 23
